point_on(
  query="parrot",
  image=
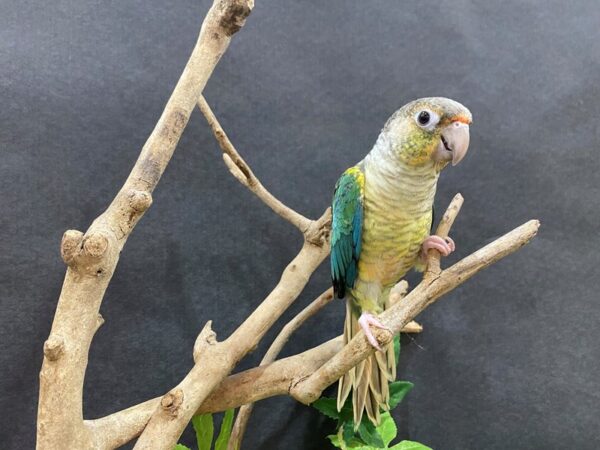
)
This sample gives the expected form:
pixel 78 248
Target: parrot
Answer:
pixel 382 216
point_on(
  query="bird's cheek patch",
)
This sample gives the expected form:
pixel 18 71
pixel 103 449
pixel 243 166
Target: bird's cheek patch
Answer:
pixel 417 153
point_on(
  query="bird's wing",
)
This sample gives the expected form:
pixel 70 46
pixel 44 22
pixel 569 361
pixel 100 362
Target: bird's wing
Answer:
pixel 346 229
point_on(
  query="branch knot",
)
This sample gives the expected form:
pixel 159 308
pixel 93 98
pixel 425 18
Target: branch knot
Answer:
pixel 318 231
pixel 383 336
pixel 172 401
pixel 234 14
pixel 53 347
pixel 95 245
pixel 139 201
pixel 70 245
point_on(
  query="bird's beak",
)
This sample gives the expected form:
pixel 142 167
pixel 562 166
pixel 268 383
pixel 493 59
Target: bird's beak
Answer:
pixel 454 143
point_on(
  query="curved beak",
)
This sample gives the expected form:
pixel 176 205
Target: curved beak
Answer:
pixel 454 143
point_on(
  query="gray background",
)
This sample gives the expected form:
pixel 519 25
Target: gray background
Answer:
pixel 509 360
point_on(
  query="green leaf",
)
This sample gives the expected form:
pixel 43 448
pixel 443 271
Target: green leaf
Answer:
pixel 347 412
pixel 369 434
pixel 225 433
pixel 345 438
pixel 387 428
pixel 203 425
pixel 398 389
pixel 335 440
pixel 356 443
pixel 397 347
pixel 181 447
pixel 410 445
pixel 348 434
pixel 327 406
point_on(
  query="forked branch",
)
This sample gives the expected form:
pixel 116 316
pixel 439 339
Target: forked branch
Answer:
pixel 243 173
pixel 306 375
pixel 92 256
pixel 236 390
pixel 243 415
pixel 214 359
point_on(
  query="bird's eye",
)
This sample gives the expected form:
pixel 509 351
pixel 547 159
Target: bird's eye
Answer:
pixel 427 119
pixel 423 117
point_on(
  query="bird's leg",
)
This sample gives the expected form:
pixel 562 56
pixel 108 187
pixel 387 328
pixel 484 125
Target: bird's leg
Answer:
pixel 443 245
pixel 365 321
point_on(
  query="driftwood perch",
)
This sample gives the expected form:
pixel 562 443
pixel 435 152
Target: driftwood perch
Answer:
pixel 92 257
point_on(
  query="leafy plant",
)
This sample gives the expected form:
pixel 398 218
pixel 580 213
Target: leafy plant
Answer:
pixel 225 433
pixel 368 436
pixel 204 427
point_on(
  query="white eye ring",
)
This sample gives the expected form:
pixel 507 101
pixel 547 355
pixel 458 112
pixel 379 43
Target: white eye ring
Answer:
pixel 427 119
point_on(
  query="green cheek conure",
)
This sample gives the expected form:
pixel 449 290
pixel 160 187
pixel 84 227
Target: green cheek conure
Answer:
pixel 382 217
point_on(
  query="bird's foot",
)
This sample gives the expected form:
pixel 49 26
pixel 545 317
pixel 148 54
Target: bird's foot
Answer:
pixel 365 321
pixel 443 245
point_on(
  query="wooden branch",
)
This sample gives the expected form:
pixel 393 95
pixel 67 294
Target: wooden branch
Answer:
pixel 243 173
pixel 176 407
pixel 412 327
pixel 249 386
pixel 434 256
pixel 219 358
pixel 267 381
pixel 215 360
pixel 246 387
pixel 243 415
pixel 290 328
pixel 93 256
pixel 307 390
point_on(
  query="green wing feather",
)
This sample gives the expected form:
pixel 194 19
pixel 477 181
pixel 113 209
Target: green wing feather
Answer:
pixel 346 229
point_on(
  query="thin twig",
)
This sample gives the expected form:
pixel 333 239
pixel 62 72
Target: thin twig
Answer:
pixel 243 173
pixel 433 255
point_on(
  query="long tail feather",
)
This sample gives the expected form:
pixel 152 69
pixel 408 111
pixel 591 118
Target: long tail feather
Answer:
pixel 360 390
pixel 369 379
pixel 347 381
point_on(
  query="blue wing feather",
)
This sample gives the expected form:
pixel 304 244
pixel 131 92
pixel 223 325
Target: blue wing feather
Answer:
pixel 346 230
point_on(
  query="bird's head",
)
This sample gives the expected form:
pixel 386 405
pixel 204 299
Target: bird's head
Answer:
pixel 434 129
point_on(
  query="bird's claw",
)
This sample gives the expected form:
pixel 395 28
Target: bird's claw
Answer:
pixel 443 245
pixel 366 320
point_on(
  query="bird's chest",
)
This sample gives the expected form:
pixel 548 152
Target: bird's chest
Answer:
pixel 395 224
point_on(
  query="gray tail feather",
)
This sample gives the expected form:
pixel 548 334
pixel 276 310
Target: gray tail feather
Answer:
pixel 369 379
